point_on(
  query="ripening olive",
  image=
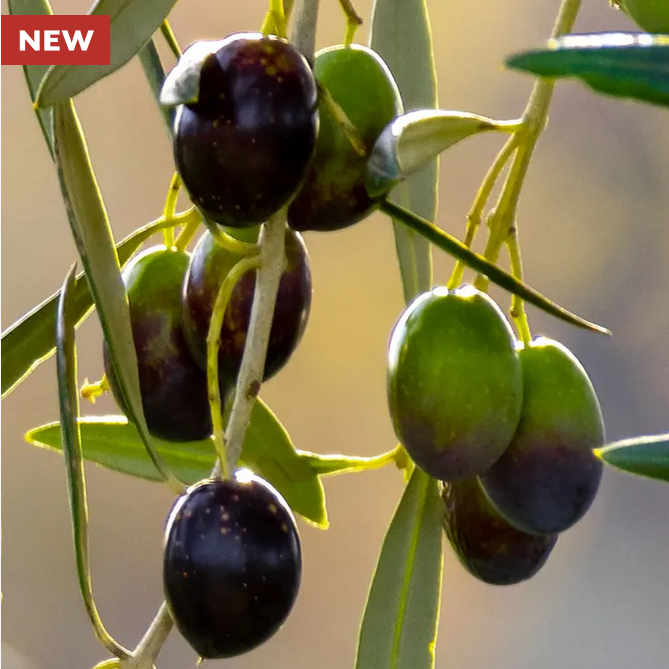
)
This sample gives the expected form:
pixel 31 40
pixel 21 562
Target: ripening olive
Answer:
pixel 334 194
pixel 548 477
pixel 454 382
pixel 209 266
pixel 487 545
pixel 172 385
pixel 243 149
pixel 232 564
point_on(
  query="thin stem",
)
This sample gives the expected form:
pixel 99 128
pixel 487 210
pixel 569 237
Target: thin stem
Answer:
pixel 534 120
pixel 251 371
pixel 229 242
pixel 517 305
pixel 275 20
pixel 188 231
pixel 170 38
pixel 353 20
pixel 213 346
pixel 170 208
pixel 303 34
pixel 148 648
pixel 475 215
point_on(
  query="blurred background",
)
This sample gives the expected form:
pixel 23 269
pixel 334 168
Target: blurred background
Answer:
pixel 594 229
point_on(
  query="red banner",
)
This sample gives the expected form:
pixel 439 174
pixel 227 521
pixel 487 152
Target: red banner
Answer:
pixel 55 40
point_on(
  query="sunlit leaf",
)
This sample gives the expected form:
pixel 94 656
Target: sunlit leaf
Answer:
pixel 626 65
pixel 400 34
pixel 114 443
pixel 646 456
pixel 132 24
pixel 399 627
pixel 66 363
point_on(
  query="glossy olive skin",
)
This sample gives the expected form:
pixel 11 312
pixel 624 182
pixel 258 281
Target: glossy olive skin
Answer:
pixel 487 545
pixel 334 194
pixel 243 149
pixel 172 385
pixel 549 476
pixel 209 266
pixel 454 382
pixel 232 564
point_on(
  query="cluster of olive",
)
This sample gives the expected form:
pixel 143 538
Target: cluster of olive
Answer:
pixel 510 428
pixel 260 137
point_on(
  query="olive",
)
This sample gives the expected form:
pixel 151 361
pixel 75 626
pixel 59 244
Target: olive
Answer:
pixel 172 385
pixel 210 264
pixel 650 15
pixel 243 149
pixel 454 382
pixel 487 545
pixel 549 476
pixel 334 194
pixel 232 564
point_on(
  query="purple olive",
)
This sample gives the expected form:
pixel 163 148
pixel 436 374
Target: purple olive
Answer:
pixel 172 385
pixel 209 266
pixel 243 149
pixel 232 564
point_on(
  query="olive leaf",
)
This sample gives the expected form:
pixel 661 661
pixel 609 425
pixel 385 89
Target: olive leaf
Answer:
pixel 114 443
pixel 399 627
pixel 66 363
pixel 626 65
pixel 477 262
pixel 35 73
pixel 95 244
pixel 414 139
pixel 30 341
pixel 132 24
pixel 645 456
pixel 155 75
pixel 400 33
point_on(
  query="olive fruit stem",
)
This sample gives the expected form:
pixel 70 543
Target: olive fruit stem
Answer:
pixel 268 276
pixel 502 220
pixel 303 34
pixel 475 216
pixel 170 208
pixel 517 305
pixel 213 346
pixel 353 21
pixel 147 649
pixel 188 231
pixel 275 20
pixel 229 242
pixel 170 38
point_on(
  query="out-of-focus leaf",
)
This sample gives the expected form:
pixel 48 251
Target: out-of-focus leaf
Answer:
pixel 415 139
pixel 478 263
pixel 155 75
pixel 95 244
pixel 626 65
pixel 35 73
pixel 401 35
pixel 399 627
pixel 66 362
pixel 645 456
pixel 114 443
pixel 132 24
pixel 30 341
pixel 329 465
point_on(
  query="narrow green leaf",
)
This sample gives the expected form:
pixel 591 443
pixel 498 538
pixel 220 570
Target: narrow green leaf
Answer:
pixel 626 65
pixel 132 24
pixel 66 363
pixel 645 456
pixel 114 443
pixel 415 139
pixel 497 275
pixel 30 341
pixel 400 33
pixel 35 73
pixel 155 75
pixel 399 628
pixel 95 244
